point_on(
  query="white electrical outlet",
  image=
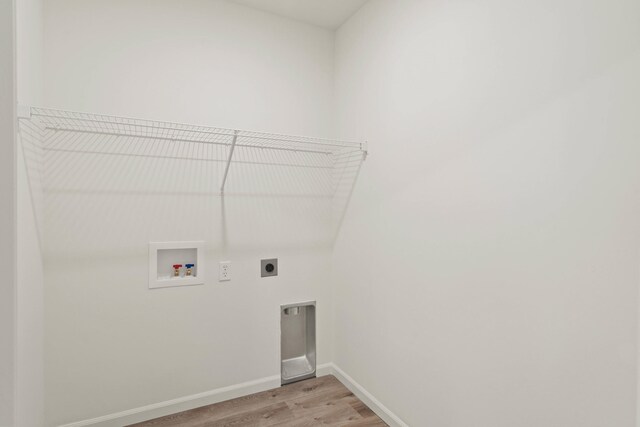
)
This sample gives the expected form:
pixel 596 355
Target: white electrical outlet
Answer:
pixel 224 274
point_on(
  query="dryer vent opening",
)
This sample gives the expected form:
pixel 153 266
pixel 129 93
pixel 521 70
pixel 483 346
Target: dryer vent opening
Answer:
pixel 297 341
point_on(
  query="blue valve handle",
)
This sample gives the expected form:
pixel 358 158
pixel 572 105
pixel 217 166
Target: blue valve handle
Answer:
pixel 189 265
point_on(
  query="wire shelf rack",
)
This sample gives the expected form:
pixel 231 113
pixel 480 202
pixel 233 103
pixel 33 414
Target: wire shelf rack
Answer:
pixel 301 151
pixel 90 133
pixel 271 187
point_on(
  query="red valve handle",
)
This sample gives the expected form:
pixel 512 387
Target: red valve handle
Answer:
pixel 177 266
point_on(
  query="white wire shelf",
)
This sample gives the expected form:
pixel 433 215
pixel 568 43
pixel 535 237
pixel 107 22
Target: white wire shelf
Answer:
pixel 237 144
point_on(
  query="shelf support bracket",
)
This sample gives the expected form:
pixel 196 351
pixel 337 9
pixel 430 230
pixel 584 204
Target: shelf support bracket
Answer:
pixel 226 170
pixel 23 111
pixel 364 147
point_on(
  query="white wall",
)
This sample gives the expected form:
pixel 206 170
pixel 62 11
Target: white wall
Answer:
pixel 487 271
pixel 204 62
pixel 30 296
pixel 29 51
pixel 7 213
pixel 30 288
pixel 111 343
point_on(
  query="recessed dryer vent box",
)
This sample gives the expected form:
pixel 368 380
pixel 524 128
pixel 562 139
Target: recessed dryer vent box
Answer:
pixel 298 341
pixel 163 256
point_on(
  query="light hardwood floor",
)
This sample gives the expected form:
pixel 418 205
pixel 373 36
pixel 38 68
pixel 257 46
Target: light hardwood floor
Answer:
pixel 316 402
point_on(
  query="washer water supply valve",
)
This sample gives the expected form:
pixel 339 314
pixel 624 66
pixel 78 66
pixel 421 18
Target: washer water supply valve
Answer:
pixel 189 267
pixel 176 270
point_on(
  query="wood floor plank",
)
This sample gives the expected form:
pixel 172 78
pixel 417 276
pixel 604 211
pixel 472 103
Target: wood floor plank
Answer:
pixel 361 408
pixel 331 407
pixel 367 422
pixel 313 402
pixel 263 417
pixel 322 397
pixel 336 413
pixel 339 414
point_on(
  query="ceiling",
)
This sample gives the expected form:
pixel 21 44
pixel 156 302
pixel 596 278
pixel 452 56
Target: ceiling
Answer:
pixel 323 13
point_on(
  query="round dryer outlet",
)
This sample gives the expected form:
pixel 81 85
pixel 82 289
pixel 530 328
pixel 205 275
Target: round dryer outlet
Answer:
pixel 269 267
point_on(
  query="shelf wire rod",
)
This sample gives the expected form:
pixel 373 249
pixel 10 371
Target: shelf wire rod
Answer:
pixel 197 159
pixel 226 170
pixel 61 129
pixel 102 124
pixel 49 120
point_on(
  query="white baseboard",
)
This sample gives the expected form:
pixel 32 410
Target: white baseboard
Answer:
pixel 324 369
pixel 368 399
pixel 185 403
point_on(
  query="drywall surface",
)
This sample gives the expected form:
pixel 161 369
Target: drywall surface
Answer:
pixel 7 213
pixel 111 343
pixel 201 62
pixel 29 51
pixel 30 287
pixel 30 299
pixel 487 270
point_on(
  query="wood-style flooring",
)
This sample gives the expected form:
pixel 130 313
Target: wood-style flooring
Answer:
pixel 316 402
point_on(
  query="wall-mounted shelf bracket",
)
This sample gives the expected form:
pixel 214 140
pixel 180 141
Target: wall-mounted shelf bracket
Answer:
pixel 226 169
pixel 23 111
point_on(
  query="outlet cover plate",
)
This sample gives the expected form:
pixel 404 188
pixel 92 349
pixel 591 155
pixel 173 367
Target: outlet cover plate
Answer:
pixel 269 267
pixel 224 273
